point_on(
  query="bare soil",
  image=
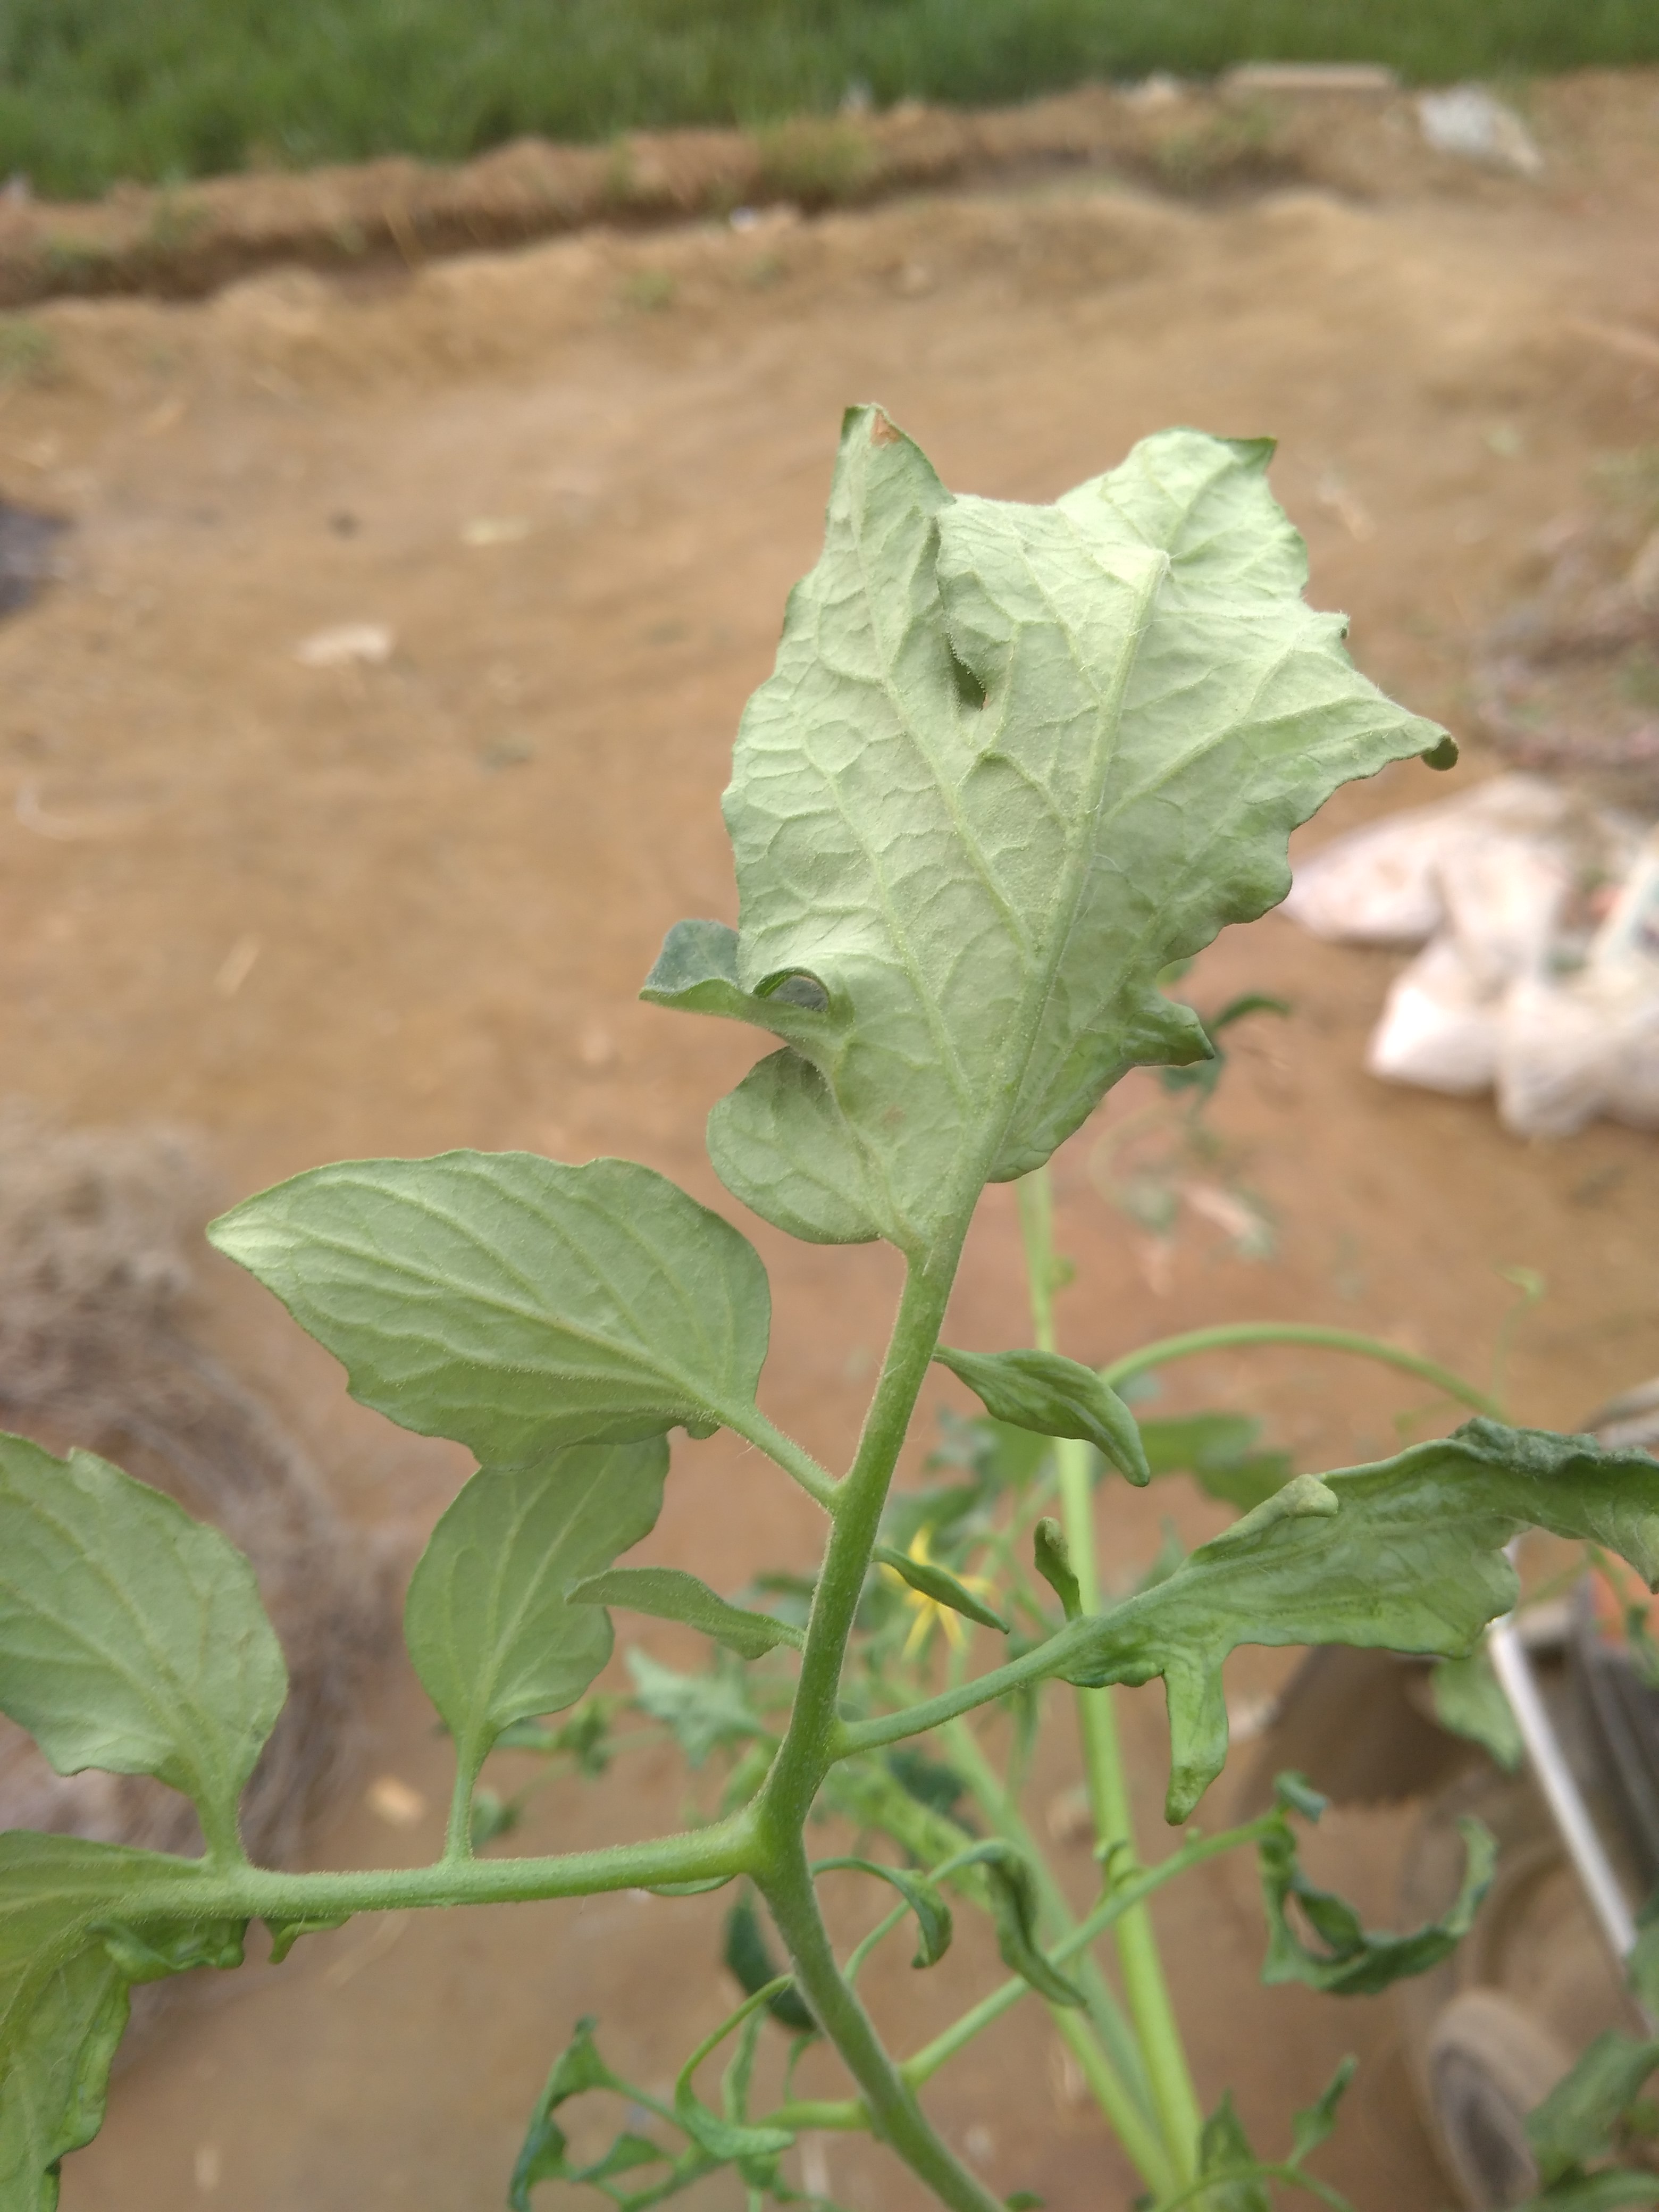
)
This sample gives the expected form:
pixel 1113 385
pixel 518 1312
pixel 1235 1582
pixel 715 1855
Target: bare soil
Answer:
pixel 321 912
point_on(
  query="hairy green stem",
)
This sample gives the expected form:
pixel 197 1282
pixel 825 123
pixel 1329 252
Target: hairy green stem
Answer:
pixel 204 1889
pixel 820 1485
pixel 1145 1985
pixel 1231 1334
pixel 812 1741
pixel 894 2116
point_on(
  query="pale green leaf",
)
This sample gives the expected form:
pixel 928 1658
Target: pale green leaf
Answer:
pixel 1404 1556
pixel 1013 761
pixel 670 1594
pixel 1055 1397
pixel 488 1620
pixel 79 1925
pixel 132 1638
pixel 512 1302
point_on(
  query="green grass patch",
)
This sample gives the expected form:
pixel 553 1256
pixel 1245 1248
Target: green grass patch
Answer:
pixel 92 91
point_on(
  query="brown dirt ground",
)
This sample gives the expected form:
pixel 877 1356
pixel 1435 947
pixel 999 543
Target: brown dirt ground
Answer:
pixel 322 913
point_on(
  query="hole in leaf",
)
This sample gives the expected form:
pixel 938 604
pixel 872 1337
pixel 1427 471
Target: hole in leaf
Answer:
pixel 969 690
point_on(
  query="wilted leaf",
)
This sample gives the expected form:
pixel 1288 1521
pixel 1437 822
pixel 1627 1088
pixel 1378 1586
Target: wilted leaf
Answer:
pixel 489 1621
pixel 670 1593
pixel 1013 761
pixel 132 1638
pixel 922 1896
pixel 511 1303
pixel 1404 1556
pixel 1343 1960
pixel 1013 1901
pixel 1054 1397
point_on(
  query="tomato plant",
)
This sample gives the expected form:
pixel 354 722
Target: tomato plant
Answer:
pixel 1014 764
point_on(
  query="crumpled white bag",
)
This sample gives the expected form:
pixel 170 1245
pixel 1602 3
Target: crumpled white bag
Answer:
pixel 1505 995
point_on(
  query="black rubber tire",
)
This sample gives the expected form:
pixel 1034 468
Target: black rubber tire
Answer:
pixel 1489 2062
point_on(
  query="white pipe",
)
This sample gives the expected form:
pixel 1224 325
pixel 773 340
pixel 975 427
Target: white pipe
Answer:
pixel 1555 1777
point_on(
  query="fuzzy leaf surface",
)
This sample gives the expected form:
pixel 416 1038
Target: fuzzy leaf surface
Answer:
pixel 488 1620
pixel 512 1302
pixel 670 1594
pixel 78 1927
pixel 1404 1556
pixel 1054 1397
pixel 1013 761
pixel 131 1637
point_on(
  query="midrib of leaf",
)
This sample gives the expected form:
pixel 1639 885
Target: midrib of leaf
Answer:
pixel 504 1629
pixel 1081 846
pixel 695 1389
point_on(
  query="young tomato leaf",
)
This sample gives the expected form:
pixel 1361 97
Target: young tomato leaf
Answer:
pixel 923 1897
pixel 670 1594
pixel 1343 1960
pixel 1013 1901
pixel 1580 2118
pixel 489 1621
pixel 1223 2148
pixel 702 1710
pixel 1312 2126
pixel 512 1302
pixel 1013 761
pixel 1051 1556
pixel 931 1580
pixel 1055 1397
pixel 78 1926
pixel 132 1638
pixel 1404 1556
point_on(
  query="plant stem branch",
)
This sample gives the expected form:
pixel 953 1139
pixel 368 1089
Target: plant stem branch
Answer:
pixel 820 1485
pixel 895 2117
pixel 1231 1334
pixel 197 1889
pixel 1144 1984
